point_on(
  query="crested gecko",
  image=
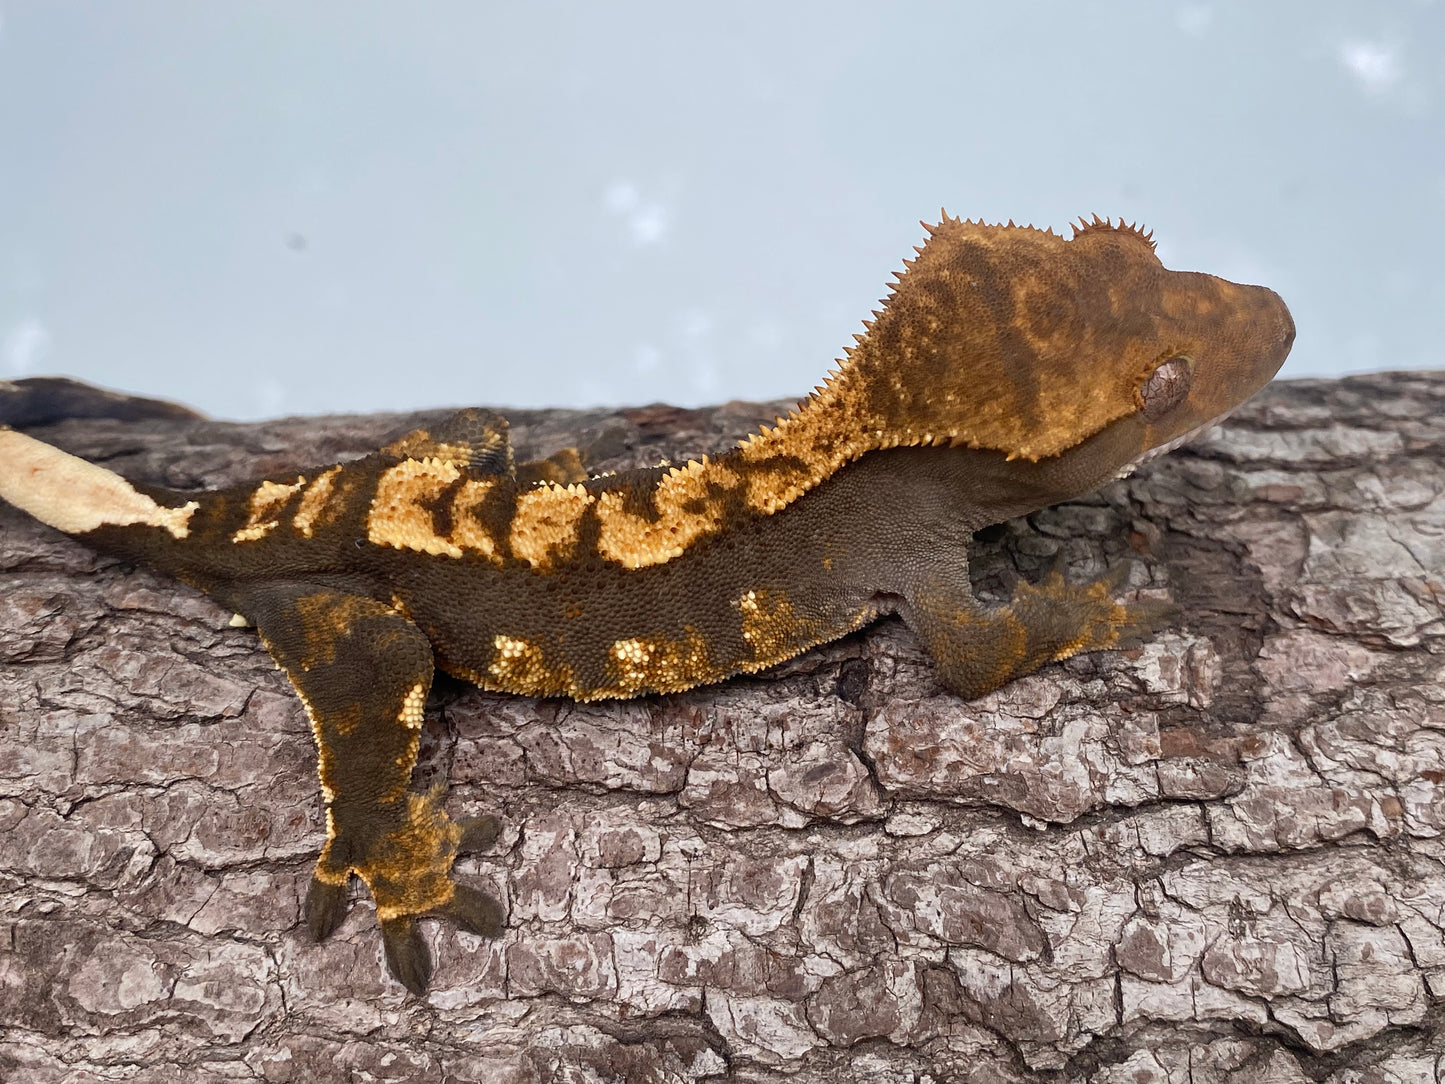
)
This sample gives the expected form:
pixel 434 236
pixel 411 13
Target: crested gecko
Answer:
pixel 1010 368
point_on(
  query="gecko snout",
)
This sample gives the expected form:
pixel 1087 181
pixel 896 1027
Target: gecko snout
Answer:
pixel 1287 334
pixel 1275 326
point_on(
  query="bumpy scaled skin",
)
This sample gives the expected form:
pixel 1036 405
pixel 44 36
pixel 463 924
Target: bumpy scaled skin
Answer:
pixel 1010 369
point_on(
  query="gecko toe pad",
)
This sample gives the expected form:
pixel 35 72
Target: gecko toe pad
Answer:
pixel 478 833
pixel 407 957
pixel 474 911
pixel 325 909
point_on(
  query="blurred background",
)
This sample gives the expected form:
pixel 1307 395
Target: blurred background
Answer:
pixel 272 208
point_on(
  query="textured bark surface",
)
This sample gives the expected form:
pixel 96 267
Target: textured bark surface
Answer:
pixel 1214 858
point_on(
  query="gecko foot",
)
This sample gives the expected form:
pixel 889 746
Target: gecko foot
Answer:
pixel 408 871
pixel 976 650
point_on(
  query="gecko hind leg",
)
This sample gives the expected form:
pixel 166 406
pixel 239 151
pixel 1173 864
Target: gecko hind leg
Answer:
pixel 978 649
pixel 363 670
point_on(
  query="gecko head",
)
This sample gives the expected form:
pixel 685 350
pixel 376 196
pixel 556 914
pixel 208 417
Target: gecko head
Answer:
pixel 1029 343
pixel 1207 345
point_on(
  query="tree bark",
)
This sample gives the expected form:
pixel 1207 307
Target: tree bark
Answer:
pixel 1216 857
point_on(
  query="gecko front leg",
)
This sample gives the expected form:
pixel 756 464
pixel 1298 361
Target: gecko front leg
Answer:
pixel 977 649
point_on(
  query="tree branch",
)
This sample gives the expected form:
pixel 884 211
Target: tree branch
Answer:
pixel 1213 858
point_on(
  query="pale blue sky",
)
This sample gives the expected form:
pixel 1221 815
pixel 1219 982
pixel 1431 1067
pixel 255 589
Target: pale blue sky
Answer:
pixel 280 207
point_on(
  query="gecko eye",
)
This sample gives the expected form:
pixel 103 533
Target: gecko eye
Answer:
pixel 1167 387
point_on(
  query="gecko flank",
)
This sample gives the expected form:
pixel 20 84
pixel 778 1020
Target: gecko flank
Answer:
pixel 1010 368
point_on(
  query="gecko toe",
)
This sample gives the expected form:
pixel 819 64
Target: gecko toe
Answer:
pixel 1141 616
pixel 474 911
pixel 1146 616
pixel 478 833
pixel 325 908
pixel 1117 576
pixel 407 957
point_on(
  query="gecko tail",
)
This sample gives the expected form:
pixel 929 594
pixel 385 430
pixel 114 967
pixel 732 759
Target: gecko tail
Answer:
pixel 77 496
